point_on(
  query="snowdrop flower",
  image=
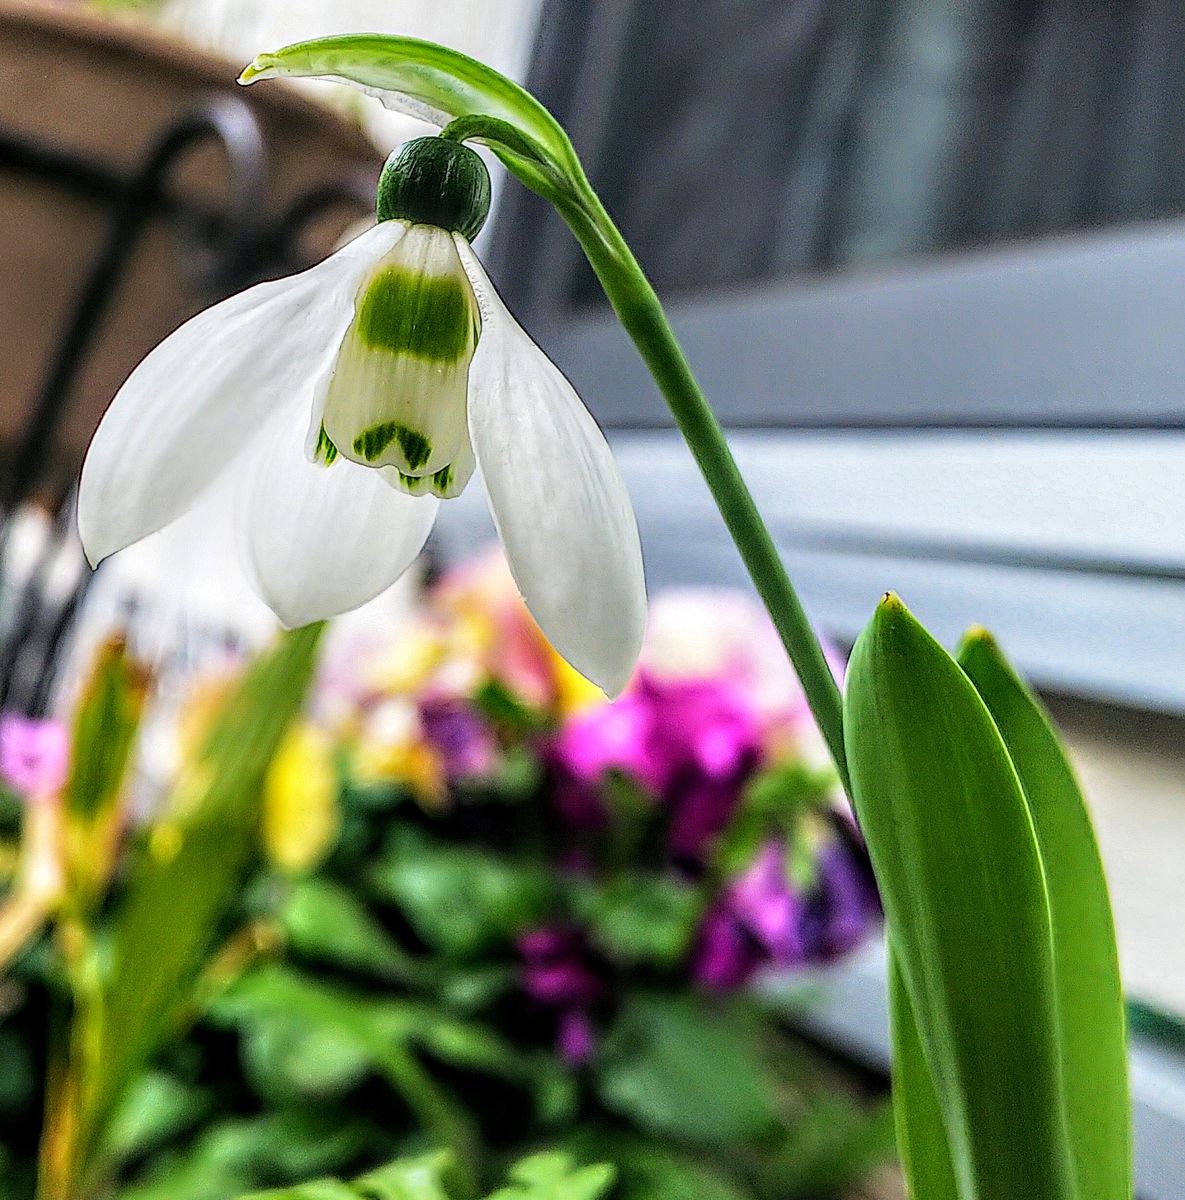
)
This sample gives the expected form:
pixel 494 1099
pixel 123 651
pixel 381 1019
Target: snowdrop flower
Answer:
pixel 346 402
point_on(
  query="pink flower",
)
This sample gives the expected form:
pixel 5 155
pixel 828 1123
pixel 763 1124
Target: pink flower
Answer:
pixel 34 755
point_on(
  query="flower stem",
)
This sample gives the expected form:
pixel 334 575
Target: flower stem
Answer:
pixel 641 313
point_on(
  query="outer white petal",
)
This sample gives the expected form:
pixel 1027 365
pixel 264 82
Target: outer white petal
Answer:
pixel 188 409
pixel 317 541
pixel 558 500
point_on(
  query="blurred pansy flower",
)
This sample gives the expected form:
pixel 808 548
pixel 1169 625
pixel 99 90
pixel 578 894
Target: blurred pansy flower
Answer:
pixel 34 755
pixel 391 748
pixel 342 404
pixel 690 743
pixel 557 975
pixel 763 919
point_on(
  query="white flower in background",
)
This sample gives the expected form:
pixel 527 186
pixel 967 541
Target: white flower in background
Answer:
pixel 345 402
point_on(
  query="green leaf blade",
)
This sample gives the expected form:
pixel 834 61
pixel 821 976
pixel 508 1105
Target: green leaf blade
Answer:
pixel 1086 960
pixel 921 1135
pixel 958 866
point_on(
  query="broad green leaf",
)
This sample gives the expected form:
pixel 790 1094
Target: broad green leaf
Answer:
pixel 921 1136
pixel 422 1178
pixel 683 1068
pixel 1086 961
pixel 326 921
pixel 553 1176
pixel 461 900
pixel 959 871
pixel 640 918
pixel 156 1107
pixel 247 1153
pixel 386 1033
pixel 437 85
pixel 182 885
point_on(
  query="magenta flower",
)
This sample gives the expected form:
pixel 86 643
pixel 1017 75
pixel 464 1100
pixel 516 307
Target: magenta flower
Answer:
pixel 577 1037
pixel 763 902
pixel 557 976
pixel 725 956
pixel 690 743
pixel 34 755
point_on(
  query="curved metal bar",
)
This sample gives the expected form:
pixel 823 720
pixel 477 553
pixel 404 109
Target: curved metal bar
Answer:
pixel 232 123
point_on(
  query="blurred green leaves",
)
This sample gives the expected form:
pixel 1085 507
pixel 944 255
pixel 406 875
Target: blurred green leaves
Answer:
pixel 459 902
pixel 142 978
pixel 545 1176
pixel 687 1070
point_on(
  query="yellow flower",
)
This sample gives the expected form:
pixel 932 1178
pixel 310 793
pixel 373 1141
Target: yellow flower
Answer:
pixel 300 813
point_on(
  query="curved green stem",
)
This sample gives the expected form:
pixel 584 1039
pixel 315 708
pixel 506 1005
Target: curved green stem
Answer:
pixel 640 312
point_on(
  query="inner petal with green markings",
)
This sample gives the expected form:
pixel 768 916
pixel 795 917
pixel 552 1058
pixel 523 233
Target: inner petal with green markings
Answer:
pixel 396 396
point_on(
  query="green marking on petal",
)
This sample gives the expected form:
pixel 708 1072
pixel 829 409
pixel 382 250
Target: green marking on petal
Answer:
pixel 325 452
pixel 421 485
pixel 370 443
pixel 422 316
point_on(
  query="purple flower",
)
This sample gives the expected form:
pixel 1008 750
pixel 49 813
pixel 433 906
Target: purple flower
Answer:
pixel 555 968
pixel 34 755
pixel 689 743
pixel 762 901
pixel 557 975
pixel 725 956
pixel 460 736
pixel 843 906
pixel 577 1038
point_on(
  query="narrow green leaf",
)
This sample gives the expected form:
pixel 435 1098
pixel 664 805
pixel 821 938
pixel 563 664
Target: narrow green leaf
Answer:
pixel 921 1136
pixel 178 892
pixel 959 871
pixel 1086 961
pixel 103 731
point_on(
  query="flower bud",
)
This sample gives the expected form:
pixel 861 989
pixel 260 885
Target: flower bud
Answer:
pixel 434 181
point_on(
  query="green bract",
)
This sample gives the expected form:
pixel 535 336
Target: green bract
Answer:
pixel 446 88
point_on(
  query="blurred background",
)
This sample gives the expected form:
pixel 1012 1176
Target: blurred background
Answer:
pixel 927 258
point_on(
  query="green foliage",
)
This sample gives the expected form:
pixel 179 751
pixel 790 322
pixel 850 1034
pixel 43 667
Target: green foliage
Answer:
pixel 459 902
pixel 680 1068
pixel 1007 1009
pixel 546 1176
pixel 1091 1022
pixel 921 1134
pixel 132 996
pixel 638 918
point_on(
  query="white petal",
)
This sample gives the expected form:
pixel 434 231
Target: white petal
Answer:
pixel 317 541
pixel 191 405
pixel 558 500
pixel 396 394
